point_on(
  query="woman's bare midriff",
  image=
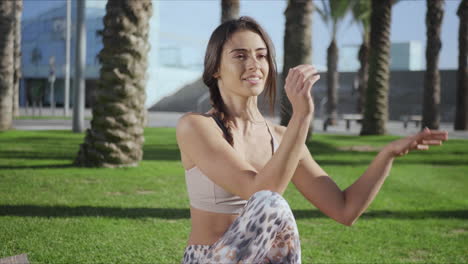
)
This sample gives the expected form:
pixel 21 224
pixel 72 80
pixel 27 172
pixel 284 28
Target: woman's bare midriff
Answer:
pixel 208 227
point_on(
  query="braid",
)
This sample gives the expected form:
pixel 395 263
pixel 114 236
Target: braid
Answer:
pixel 221 112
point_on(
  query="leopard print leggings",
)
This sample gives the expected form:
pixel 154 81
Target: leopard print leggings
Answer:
pixel 264 232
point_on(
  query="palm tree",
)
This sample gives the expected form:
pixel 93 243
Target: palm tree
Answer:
pixel 229 10
pixel 376 105
pixel 18 8
pixel 361 13
pixel 333 12
pixel 431 97
pixel 461 113
pixel 297 47
pixel 7 29
pixel 119 115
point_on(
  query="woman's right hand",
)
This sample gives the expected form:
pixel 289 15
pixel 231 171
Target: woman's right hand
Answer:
pixel 298 87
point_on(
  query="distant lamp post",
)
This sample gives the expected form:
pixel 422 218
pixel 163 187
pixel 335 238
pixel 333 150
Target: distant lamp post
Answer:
pixel 66 101
pixel 80 63
pixel 51 83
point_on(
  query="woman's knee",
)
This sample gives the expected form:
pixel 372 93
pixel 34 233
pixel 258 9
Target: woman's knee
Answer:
pixel 272 203
pixel 269 196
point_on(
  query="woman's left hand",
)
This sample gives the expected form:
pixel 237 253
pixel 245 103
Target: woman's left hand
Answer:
pixel 419 141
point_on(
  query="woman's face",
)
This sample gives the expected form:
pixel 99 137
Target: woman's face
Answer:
pixel 244 64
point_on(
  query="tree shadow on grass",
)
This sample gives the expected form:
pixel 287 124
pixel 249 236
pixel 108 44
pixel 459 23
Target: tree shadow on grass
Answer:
pixel 184 213
pixel 44 139
pixel 382 214
pixel 48 166
pixel 364 162
pixel 363 158
pixel 318 147
pixel 60 147
pixel 93 211
pixel 161 152
pixel 39 148
pixel 368 138
pixel 34 155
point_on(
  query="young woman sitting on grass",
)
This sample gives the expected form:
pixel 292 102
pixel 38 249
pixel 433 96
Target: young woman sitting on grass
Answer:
pixel 238 164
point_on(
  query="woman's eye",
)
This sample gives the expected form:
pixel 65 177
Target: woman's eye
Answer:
pixel 240 56
pixel 262 55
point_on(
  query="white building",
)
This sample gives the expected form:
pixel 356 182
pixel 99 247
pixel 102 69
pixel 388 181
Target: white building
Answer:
pixel 43 37
pixel 404 56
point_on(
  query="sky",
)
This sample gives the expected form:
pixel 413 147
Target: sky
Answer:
pixel 191 22
pixel 197 19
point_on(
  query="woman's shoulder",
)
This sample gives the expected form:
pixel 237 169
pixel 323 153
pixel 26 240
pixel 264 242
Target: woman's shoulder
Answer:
pixel 207 114
pixel 192 118
pixel 191 122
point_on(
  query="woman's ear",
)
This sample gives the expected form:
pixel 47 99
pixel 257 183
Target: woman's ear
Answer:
pixel 216 75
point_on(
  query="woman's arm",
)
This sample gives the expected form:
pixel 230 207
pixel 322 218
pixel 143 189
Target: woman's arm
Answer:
pixel 278 171
pixel 346 206
pixel 362 192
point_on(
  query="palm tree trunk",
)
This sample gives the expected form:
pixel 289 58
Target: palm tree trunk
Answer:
pixel 119 114
pixel 18 7
pixel 431 97
pixel 7 29
pixel 363 74
pixel 332 82
pixel 461 112
pixel 229 10
pixel 376 107
pixel 297 48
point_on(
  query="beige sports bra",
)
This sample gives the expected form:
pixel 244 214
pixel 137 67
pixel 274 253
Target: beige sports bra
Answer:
pixel 206 195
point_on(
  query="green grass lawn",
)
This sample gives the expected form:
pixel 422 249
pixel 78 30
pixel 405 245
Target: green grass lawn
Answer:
pixel 57 213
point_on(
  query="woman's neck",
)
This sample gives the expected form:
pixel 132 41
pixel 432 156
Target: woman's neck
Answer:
pixel 243 112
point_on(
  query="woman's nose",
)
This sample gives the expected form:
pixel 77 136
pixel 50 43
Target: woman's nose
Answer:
pixel 252 63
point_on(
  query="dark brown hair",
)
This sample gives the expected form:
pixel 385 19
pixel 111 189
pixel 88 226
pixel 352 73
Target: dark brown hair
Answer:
pixel 213 61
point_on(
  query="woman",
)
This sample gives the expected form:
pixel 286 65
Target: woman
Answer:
pixel 238 164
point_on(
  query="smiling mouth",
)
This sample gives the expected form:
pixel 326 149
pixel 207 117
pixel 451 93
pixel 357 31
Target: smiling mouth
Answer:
pixel 253 80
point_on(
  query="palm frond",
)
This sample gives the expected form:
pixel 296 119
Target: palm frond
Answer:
pixel 338 8
pixel 323 11
pixel 361 11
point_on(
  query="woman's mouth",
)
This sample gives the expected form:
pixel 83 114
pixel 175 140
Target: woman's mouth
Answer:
pixel 252 80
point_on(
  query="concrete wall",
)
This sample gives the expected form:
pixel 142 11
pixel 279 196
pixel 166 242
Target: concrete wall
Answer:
pixel 405 93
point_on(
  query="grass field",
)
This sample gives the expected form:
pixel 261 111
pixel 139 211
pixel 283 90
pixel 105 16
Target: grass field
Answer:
pixel 57 213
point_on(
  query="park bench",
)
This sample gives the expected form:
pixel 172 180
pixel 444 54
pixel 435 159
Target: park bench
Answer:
pixel 417 119
pixel 351 117
pixel 347 117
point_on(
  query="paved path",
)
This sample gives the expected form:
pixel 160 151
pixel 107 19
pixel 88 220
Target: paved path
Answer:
pixel 169 119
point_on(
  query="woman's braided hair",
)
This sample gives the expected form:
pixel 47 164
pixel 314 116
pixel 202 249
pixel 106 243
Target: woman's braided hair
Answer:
pixel 213 61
